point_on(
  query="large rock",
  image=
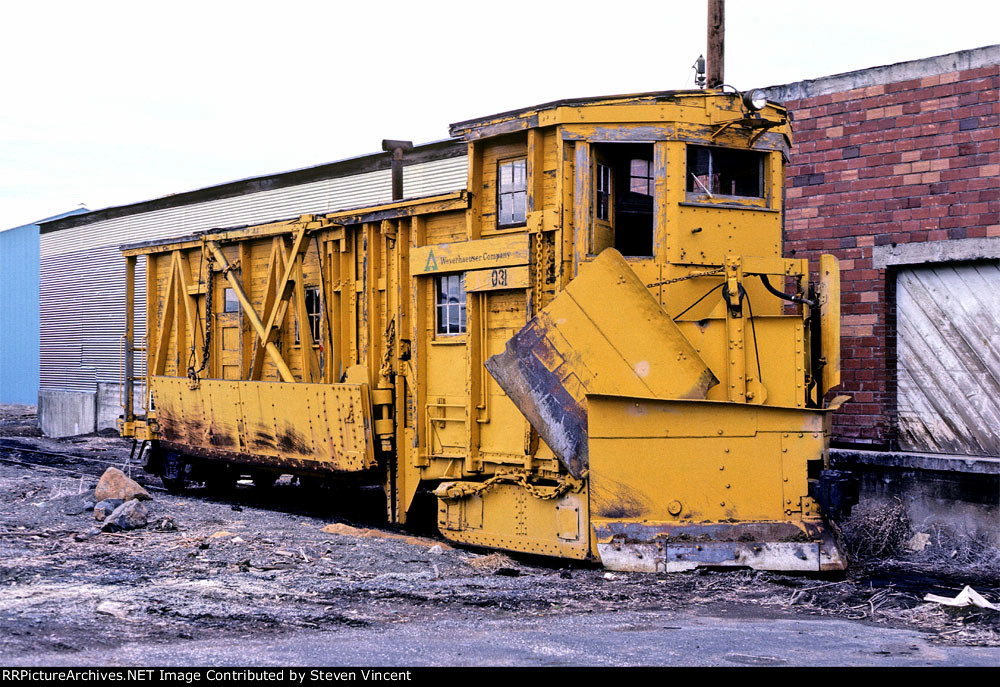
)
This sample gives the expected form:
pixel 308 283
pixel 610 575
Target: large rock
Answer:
pixel 128 516
pixel 114 484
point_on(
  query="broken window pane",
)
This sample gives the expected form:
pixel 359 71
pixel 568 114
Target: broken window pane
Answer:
pixel 725 172
pixel 314 311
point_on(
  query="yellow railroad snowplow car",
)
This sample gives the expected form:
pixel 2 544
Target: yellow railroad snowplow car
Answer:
pixel 594 351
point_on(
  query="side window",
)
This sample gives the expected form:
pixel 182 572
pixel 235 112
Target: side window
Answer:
pixel 314 311
pixel 232 304
pixel 725 172
pixel 512 192
pixel 449 304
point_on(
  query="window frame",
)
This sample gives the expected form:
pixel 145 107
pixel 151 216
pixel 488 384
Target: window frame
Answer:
pixel 460 306
pixel 705 196
pixel 314 317
pixel 649 178
pixel 226 291
pixel 604 184
pixel 516 221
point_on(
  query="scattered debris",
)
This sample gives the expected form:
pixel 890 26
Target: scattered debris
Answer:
pixel 347 530
pixel 967 597
pixel 130 515
pixel 165 523
pixel 437 549
pixel 220 534
pixel 171 581
pixel 105 508
pixel 114 609
pixel 918 542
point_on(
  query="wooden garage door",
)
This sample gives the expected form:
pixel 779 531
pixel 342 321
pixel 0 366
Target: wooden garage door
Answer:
pixel 948 349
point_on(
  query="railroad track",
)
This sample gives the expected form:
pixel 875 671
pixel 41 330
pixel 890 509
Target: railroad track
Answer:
pixel 77 465
pixel 57 461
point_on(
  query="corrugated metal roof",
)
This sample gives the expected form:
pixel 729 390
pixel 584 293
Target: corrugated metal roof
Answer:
pixel 36 223
pixel 374 162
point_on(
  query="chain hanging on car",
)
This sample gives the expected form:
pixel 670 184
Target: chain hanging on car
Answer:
pixel 206 347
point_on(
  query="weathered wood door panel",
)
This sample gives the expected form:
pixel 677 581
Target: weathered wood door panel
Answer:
pixel 948 358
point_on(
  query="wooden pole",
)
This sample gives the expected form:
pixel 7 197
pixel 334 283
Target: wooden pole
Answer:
pixel 716 42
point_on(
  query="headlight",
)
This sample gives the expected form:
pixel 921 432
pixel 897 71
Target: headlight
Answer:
pixel 755 99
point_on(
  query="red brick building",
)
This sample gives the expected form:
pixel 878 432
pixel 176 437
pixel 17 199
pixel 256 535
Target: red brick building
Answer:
pixel 896 171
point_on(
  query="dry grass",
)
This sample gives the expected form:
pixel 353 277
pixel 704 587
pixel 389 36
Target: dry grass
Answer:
pixel 491 562
pixel 972 553
pixel 877 530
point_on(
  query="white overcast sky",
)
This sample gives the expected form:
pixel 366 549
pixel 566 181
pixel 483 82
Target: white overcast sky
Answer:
pixel 108 103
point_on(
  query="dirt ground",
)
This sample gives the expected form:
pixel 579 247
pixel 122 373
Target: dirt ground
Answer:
pixel 266 562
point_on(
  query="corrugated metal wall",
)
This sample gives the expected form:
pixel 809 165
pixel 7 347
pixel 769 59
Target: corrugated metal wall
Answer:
pixel 83 272
pixel 19 315
pixel 948 351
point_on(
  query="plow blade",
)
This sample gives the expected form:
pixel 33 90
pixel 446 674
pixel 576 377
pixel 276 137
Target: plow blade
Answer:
pixel 680 484
pixel 605 333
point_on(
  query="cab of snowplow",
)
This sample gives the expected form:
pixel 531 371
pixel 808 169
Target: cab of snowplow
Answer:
pixel 677 363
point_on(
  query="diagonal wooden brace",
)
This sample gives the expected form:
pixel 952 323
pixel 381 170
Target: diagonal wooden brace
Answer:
pixel 263 332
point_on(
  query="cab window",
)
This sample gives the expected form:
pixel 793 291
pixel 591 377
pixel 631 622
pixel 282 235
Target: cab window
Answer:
pixel 725 172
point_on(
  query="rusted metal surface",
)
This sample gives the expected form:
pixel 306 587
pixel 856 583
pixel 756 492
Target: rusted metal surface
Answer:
pixel 671 547
pixel 948 358
pixel 279 462
pixel 265 419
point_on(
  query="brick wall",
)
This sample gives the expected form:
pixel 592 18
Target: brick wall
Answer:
pixel 896 162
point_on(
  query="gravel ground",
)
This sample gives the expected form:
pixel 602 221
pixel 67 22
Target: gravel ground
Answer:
pixel 264 563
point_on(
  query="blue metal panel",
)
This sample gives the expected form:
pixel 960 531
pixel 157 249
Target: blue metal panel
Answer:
pixel 19 318
pixel 19 315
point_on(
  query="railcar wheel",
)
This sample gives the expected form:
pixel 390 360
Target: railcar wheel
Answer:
pixel 221 479
pixel 264 479
pixel 175 471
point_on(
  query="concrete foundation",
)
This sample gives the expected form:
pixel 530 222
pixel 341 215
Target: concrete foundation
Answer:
pixel 109 405
pixel 960 493
pixel 66 413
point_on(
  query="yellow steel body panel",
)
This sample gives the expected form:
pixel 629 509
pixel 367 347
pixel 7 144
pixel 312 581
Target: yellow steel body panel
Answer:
pixel 584 342
pixel 675 484
pixel 497 279
pixel 507 516
pixel 829 303
pixel 299 426
pixel 721 461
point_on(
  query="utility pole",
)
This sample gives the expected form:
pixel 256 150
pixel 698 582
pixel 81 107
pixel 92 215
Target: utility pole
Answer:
pixel 716 41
